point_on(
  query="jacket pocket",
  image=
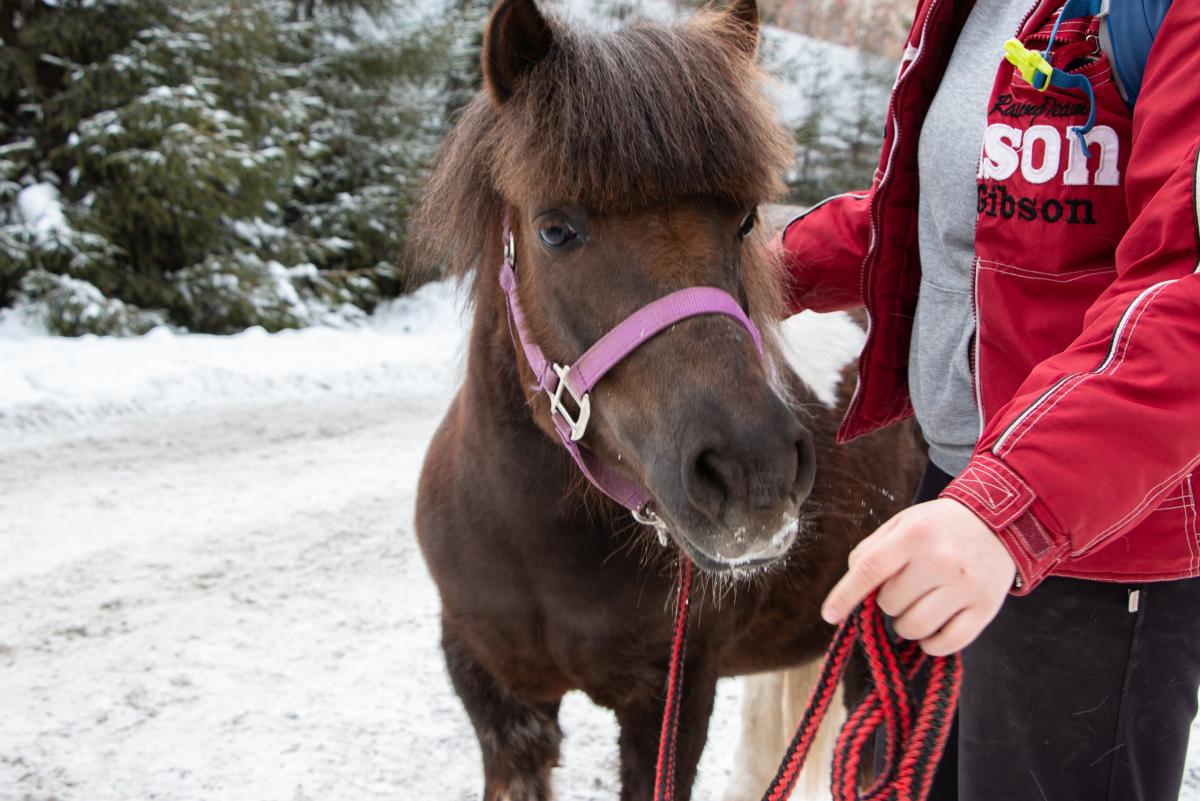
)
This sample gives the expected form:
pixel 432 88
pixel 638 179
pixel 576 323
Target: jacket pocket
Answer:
pixel 1026 315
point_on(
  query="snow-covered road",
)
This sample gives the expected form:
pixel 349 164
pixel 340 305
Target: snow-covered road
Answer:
pixel 209 583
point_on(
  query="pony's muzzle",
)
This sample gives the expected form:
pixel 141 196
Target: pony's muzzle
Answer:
pixel 747 488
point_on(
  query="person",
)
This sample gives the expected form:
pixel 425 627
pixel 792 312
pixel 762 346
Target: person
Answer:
pixel 1030 277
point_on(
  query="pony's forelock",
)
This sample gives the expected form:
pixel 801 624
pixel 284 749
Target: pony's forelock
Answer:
pixel 649 114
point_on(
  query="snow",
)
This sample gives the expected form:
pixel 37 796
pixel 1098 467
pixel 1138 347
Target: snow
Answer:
pixel 41 210
pixel 49 380
pixel 810 72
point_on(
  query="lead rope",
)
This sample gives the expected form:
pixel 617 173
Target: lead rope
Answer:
pixel 664 771
pixel 900 672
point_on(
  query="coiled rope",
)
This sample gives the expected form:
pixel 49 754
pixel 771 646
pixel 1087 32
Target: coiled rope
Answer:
pixel 912 697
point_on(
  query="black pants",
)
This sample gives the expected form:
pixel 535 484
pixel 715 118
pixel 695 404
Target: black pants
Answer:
pixel 1079 691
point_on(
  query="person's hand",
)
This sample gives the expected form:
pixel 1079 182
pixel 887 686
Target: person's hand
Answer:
pixel 942 575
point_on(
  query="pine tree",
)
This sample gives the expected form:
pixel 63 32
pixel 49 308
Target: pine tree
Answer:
pixel 843 100
pixel 212 164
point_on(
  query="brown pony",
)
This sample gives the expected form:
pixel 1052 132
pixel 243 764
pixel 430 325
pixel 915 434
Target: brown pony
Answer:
pixel 629 165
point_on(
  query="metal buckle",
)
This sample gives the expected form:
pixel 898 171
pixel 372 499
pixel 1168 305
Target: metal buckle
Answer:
pixel 577 425
pixel 647 517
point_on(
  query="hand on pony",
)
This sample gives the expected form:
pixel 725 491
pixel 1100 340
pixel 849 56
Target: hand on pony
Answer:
pixel 942 575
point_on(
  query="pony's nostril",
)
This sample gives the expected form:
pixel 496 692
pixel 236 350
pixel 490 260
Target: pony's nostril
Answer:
pixel 708 482
pixel 750 482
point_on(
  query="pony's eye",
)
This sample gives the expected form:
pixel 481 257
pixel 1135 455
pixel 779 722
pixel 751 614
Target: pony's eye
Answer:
pixel 748 224
pixel 556 234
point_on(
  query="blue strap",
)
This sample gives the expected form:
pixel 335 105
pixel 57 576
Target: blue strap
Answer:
pixel 1132 26
pixel 1067 80
pixel 1073 9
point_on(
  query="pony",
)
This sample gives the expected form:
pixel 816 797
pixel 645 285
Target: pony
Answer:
pixel 612 169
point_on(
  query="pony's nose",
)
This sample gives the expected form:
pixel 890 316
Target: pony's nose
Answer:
pixel 711 480
pixel 751 476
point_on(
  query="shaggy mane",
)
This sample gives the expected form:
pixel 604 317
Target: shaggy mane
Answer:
pixel 649 114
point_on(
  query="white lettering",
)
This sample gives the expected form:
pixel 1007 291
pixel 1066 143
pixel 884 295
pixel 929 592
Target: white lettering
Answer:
pixel 1051 153
pixel 1000 143
pixel 1007 149
pixel 1108 172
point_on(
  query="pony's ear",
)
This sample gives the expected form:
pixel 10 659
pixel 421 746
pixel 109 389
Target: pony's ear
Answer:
pixel 517 38
pixel 743 25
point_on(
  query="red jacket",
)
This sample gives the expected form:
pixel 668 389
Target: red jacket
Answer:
pixel 1087 299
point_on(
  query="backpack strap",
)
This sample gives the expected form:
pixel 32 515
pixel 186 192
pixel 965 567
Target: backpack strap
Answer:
pixel 1127 33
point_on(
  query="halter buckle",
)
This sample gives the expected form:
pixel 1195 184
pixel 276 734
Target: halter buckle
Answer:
pixel 578 425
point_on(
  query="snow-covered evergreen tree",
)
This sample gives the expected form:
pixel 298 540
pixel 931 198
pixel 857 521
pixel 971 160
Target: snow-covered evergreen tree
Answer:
pixel 836 105
pixel 213 164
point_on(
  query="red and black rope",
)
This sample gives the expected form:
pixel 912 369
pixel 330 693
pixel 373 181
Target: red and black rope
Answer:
pixel 912 698
pixel 914 737
pixel 664 772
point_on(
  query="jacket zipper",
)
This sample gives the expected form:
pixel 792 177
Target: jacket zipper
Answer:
pixel 856 398
pixel 976 369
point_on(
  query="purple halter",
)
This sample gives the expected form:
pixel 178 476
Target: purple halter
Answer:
pixel 578 379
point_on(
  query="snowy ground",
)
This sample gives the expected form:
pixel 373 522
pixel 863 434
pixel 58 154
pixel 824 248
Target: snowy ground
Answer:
pixel 208 576
pixel 209 581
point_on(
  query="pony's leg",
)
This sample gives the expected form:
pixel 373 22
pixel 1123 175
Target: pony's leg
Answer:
pixel 519 740
pixel 772 705
pixel 761 743
pixel 641 722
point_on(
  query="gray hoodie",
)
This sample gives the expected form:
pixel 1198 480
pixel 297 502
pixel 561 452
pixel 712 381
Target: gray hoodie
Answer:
pixel 940 369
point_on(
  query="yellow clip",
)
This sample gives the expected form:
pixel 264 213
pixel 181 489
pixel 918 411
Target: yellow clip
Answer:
pixel 1029 62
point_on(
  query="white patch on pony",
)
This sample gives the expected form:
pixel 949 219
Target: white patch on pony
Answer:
pixel 818 346
pixel 772 705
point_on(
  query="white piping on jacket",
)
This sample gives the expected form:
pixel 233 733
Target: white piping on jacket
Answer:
pixel 1116 338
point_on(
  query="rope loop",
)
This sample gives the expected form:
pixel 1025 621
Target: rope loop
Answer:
pixel 912 700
